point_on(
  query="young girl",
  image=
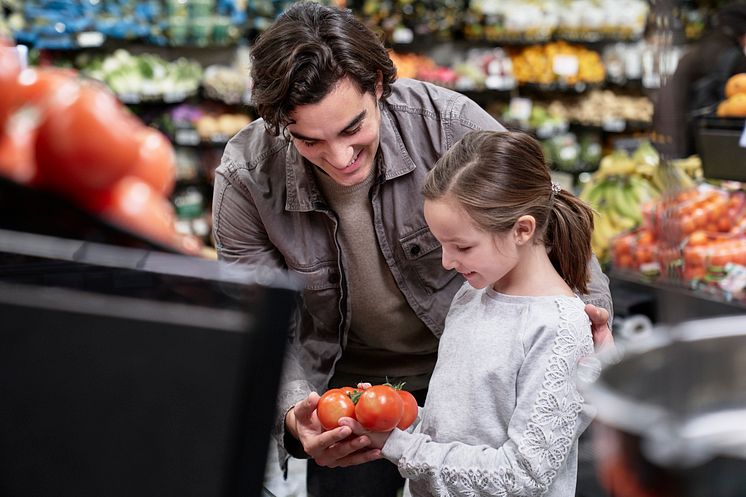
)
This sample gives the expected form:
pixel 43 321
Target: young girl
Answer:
pixel 503 414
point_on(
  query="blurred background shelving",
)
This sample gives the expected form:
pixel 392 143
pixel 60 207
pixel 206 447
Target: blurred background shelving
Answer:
pixel 581 75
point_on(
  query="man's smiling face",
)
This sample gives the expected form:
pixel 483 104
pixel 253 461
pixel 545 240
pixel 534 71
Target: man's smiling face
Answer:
pixel 340 134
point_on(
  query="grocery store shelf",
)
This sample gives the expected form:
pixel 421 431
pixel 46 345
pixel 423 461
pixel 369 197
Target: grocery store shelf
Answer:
pixel 667 302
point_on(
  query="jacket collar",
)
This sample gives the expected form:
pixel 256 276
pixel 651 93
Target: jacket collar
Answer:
pixel 392 161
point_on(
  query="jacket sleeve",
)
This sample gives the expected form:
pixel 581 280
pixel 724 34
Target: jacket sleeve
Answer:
pixel 549 417
pixel 470 117
pixel 598 289
pixel 240 238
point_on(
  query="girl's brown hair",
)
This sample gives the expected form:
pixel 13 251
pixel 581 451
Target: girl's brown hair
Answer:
pixel 498 177
pixel 300 58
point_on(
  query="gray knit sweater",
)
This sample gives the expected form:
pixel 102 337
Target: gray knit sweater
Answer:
pixel 503 414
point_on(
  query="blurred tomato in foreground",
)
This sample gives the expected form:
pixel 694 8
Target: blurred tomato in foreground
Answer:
pixel 17 152
pixel 10 67
pixel 156 163
pixel 134 205
pixel 34 85
pixel 86 141
pixel 72 136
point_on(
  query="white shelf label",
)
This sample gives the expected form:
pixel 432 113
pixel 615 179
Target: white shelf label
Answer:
pixel 129 98
pixel 174 96
pixel 614 125
pixel 565 65
pixel 88 39
pixel 186 137
pixel 520 108
pixel 403 35
pixel 742 141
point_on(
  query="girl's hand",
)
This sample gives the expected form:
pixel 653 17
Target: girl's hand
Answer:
pixel 377 439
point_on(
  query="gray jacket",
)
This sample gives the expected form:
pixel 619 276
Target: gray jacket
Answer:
pixel 268 210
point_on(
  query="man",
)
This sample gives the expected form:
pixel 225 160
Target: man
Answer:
pixel 698 83
pixel 328 185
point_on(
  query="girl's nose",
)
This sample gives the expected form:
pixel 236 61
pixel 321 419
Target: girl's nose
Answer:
pixel 447 261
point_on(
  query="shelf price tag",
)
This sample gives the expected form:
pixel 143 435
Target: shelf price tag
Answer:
pixel 129 98
pixel 186 136
pixel 565 65
pixel 614 125
pixel 742 141
pixel 89 39
pixel 520 108
pixel 403 35
pixel 174 96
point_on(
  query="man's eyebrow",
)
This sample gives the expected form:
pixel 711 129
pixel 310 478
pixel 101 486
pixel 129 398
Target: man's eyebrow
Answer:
pixel 353 122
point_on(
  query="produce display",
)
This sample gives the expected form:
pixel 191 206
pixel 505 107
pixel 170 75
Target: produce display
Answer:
pixel 72 24
pixel 540 20
pixel 72 137
pixel 226 84
pixel 422 67
pixel 376 408
pixel 622 187
pixel 696 236
pixel 143 77
pixel 558 62
pixel 734 104
pixel 604 108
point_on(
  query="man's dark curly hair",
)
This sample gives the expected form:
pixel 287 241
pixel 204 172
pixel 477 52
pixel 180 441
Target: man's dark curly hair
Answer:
pixel 300 58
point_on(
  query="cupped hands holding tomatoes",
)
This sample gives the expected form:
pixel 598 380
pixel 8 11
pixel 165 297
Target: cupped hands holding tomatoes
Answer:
pixel 346 426
pixel 337 447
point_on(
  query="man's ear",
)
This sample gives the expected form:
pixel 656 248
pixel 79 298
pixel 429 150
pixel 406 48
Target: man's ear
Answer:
pixel 524 229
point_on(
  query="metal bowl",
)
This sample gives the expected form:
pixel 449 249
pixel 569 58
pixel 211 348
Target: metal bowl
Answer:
pixel 671 414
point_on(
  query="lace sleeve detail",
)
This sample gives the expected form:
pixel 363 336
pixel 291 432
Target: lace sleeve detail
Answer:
pixel 527 465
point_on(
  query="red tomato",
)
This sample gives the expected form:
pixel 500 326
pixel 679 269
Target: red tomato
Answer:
pixel 10 67
pixel 698 238
pixel 156 164
pixel 334 404
pixel 349 390
pixel 379 408
pixel 17 153
pixel 34 85
pixel 409 412
pixel 86 141
pixel 133 205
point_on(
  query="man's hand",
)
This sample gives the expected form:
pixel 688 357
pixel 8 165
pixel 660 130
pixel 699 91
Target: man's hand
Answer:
pixel 333 448
pixel 599 316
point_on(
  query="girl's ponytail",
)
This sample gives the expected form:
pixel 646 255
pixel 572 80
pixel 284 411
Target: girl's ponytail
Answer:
pixel 568 238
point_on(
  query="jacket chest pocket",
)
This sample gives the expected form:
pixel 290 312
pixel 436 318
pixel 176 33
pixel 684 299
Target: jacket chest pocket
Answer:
pixel 321 294
pixel 423 254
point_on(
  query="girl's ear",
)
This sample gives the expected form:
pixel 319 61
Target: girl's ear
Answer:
pixel 379 85
pixel 524 229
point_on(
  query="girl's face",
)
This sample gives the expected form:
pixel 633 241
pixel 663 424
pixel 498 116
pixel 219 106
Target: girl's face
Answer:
pixel 482 258
pixel 340 134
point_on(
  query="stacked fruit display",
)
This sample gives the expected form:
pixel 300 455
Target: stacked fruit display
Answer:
pixel 735 92
pixel 691 236
pixel 422 67
pixel 618 190
pixel 72 137
pixel 558 62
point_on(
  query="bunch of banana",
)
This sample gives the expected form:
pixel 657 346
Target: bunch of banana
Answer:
pixel 617 202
